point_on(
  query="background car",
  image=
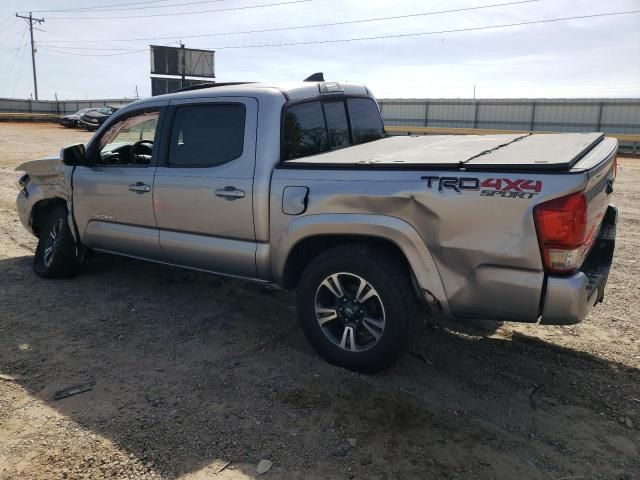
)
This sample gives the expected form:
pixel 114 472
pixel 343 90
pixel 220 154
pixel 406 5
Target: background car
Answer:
pixel 92 120
pixel 71 121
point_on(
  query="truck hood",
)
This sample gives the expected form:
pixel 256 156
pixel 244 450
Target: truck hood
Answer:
pixel 47 178
pixel 46 167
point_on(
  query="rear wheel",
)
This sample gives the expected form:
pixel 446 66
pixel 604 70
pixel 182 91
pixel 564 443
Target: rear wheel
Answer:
pixel 356 306
pixel 56 251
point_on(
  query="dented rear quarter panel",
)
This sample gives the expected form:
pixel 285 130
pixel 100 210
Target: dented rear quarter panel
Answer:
pixel 485 255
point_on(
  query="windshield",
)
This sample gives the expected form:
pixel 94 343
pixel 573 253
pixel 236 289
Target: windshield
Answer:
pixel 106 110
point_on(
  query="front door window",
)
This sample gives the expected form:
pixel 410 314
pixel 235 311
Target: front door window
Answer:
pixel 129 142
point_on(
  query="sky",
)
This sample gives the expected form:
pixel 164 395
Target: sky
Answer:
pixel 80 54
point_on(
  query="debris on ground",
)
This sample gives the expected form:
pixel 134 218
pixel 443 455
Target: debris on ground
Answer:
pixel 263 466
pixel 75 390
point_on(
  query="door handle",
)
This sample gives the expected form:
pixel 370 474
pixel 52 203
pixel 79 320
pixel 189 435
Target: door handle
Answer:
pixel 139 187
pixel 229 193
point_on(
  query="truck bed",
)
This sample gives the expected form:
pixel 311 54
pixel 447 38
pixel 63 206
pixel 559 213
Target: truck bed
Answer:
pixel 531 152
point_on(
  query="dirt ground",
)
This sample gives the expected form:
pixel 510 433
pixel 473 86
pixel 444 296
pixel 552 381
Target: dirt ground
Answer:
pixel 195 377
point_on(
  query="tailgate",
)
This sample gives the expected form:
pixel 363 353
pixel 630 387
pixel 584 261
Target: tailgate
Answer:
pixel 569 226
pixel 600 167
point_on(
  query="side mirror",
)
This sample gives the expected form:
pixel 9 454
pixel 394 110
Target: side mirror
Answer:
pixel 73 155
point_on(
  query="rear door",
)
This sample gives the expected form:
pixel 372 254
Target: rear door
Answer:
pixel 203 191
pixel 113 198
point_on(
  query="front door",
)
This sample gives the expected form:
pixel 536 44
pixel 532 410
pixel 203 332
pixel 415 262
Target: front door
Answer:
pixel 203 192
pixel 113 198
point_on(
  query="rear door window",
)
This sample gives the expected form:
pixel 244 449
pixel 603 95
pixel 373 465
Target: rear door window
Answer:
pixel 366 124
pixel 305 132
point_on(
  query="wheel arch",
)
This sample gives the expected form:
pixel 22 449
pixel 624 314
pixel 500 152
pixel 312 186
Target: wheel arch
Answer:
pixel 40 208
pixel 306 237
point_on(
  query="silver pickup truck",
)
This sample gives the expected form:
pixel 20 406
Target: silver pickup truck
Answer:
pixel 297 185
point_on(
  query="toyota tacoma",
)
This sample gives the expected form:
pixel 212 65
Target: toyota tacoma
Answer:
pixel 297 185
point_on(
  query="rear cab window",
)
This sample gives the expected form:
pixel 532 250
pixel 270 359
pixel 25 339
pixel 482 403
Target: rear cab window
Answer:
pixel 319 126
pixel 366 122
pixel 305 132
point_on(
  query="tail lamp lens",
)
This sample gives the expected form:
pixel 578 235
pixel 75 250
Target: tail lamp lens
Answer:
pixel 562 232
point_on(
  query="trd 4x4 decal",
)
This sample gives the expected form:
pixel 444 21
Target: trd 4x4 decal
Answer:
pixel 491 187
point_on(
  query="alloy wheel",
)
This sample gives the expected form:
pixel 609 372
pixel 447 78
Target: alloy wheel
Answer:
pixel 52 242
pixel 350 311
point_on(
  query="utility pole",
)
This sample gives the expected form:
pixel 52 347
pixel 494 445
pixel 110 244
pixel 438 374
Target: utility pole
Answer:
pixel 30 21
pixel 182 66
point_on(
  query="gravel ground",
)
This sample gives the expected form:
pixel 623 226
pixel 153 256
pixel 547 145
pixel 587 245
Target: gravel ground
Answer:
pixel 195 377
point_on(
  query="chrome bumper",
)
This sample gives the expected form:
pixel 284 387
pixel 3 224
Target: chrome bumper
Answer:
pixel 568 300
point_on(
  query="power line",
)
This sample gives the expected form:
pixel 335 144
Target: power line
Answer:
pixel 8 24
pixel 20 64
pixel 299 27
pixel 65 39
pixel 49 49
pixel 12 66
pixel 80 54
pixel 15 34
pixel 67 47
pixel 247 7
pixel 101 9
pixel 377 37
pixel 406 35
pixel 100 6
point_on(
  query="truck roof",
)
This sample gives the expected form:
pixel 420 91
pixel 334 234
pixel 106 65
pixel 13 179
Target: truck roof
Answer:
pixel 292 91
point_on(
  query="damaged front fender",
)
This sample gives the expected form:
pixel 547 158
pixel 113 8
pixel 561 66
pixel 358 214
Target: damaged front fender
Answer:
pixel 49 180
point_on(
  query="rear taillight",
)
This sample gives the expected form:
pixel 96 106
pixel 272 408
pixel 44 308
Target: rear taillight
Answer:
pixel 562 232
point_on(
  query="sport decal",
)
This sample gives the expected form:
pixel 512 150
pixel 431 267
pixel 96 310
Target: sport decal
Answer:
pixel 491 187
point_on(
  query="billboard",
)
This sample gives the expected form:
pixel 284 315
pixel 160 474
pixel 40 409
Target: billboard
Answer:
pixel 170 61
pixel 160 86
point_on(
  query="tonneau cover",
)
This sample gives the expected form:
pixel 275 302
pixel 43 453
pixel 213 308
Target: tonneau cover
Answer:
pixel 474 152
pixel 545 151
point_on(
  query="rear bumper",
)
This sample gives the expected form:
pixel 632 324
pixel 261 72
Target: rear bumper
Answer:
pixel 568 300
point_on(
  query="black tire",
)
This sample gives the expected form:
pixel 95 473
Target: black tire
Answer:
pixel 394 302
pixel 56 251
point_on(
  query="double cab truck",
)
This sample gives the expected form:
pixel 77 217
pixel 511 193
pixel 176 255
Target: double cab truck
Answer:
pixel 297 185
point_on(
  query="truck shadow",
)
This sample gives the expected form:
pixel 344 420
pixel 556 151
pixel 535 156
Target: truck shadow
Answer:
pixel 191 371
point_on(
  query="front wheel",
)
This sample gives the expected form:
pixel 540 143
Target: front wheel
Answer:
pixel 356 307
pixel 56 251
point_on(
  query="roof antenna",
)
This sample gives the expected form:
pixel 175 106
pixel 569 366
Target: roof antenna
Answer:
pixel 316 77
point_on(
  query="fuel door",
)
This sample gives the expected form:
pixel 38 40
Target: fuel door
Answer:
pixel 294 200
